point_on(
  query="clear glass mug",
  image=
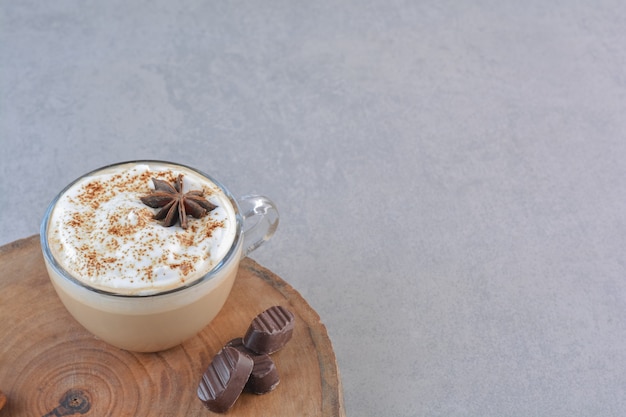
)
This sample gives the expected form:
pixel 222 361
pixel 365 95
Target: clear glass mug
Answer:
pixel 155 322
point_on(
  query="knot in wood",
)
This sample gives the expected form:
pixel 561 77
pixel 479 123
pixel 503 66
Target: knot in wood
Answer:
pixel 74 401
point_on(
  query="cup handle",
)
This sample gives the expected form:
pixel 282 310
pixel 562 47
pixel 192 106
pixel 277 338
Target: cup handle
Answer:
pixel 260 220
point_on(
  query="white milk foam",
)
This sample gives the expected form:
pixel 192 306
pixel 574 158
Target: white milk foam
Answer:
pixel 103 235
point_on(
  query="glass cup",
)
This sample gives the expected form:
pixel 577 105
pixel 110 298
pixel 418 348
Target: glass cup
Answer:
pixel 158 321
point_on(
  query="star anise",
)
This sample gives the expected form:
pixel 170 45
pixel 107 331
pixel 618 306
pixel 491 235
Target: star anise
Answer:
pixel 174 204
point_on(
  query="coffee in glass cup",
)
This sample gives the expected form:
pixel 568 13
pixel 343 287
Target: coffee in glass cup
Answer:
pixel 144 254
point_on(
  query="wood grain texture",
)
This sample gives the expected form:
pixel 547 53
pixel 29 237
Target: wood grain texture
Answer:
pixel 50 365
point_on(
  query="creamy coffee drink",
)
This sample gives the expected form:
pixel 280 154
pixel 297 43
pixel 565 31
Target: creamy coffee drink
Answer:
pixel 144 254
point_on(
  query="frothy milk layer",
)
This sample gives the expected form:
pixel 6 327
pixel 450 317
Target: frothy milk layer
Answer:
pixel 103 235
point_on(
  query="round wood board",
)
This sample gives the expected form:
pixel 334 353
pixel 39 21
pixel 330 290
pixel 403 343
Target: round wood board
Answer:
pixel 50 365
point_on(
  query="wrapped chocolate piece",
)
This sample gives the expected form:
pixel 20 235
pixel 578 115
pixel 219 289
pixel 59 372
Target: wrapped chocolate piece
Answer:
pixel 264 377
pixel 224 379
pixel 270 330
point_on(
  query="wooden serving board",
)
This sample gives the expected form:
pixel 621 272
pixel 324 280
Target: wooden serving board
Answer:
pixel 50 365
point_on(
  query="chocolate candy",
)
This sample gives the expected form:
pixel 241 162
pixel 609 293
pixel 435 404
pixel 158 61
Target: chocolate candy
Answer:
pixel 264 377
pixel 245 362
pixel 224 379
pixel 270 330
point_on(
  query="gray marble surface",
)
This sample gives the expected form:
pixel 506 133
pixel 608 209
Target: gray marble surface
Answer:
pixel 451 175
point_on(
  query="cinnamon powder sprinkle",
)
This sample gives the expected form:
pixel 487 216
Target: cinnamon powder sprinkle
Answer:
pixel 131 246
pixel 92 194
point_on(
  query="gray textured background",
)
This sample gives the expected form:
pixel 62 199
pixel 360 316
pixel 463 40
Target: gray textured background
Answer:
pixel 450 174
